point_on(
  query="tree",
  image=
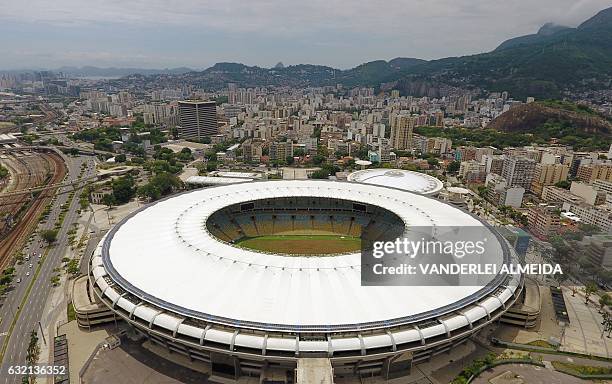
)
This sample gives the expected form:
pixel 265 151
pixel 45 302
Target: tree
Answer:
pixel 33 349
pixel 483 191
pixel 120 158
pixel 7 276
pixel 453 167
pixel 589 229
pixel 604 276
pixel 49 235
pixel 325 171
pixel 299 152
pixel 319 159
pixel 149 191
pixel 607 322
pixel 160 185
pixel 123 189
pixel 586 264
pixel 563 184
pixel 604 300
pixel 211 166
pixel 589 289
pixel 320 174
pixel 108 200
pixel 185 154
pixel 3 172
pixel 561 277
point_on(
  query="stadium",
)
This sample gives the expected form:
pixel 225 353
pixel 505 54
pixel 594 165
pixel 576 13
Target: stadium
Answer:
pixel 256 278
pixel 416 182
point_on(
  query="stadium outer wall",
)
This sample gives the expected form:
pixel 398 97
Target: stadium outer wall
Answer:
pixel 254 364
pixel 372 352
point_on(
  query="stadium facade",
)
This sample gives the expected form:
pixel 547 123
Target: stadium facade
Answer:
pixel 172 271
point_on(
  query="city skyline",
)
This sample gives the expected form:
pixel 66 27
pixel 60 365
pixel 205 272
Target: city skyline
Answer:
pixel 41 35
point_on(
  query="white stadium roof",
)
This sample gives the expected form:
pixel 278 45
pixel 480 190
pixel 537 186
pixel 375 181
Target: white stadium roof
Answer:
pixel 164 254
pixel 214 180
pixel 398 178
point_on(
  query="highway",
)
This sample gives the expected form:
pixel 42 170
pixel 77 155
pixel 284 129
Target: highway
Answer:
pixel 23 307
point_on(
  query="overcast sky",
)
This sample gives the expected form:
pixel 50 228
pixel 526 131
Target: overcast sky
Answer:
pixel 199 33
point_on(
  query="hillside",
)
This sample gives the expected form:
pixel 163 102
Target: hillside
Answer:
pixel 575 124
pixel 545 32
pixel 89 71
pixel 542 65
pixel 302 75
pixel 548 64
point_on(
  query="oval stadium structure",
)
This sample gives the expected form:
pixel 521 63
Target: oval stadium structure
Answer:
pixel 179 272
pixel 416 182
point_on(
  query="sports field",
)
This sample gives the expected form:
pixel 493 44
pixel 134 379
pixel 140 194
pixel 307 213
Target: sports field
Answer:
pixel 302 244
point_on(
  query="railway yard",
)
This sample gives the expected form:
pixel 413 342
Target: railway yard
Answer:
pixel 19 214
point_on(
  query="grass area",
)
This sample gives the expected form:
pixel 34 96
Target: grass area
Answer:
pixel 302 244
pixel 70 312
pixel 541 343
pixel 581 369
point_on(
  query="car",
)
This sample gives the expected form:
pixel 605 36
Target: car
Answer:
pixel 40 255
pixel 27 273
pixel 30 265
pixel 18 280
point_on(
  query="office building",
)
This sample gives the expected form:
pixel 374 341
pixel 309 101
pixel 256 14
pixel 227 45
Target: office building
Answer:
pixel 197 119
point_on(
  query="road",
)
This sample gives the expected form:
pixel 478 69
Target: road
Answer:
pixel 23 308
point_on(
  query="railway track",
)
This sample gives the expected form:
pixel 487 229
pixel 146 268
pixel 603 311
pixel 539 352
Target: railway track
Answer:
pixel 26 173
pixel 28 222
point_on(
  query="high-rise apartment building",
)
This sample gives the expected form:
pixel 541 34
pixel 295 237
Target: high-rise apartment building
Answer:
pixel 197 119
pixel 518 171
pixel 401 131
pixel 543 221
pixel 252 150
pixel 279 151
pixel 548 174
pixel 591 172
pixel 493 163
pixel 232 90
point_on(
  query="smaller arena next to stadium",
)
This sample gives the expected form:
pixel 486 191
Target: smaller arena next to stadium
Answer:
pixel 254 279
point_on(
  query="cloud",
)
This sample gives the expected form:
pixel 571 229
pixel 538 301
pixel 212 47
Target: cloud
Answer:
pixel 336 32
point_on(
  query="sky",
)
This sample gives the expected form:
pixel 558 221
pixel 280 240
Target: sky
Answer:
pixel 198 33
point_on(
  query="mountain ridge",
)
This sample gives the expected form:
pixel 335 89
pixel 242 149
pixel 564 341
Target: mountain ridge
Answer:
pixel 548 64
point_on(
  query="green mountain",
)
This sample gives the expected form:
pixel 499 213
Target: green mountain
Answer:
pixel 368 74
pixel 542 65
pixel 547 30
pixel 548 64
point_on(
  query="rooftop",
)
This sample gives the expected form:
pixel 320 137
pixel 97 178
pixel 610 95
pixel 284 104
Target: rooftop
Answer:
pixel 164 254
pixel 398 178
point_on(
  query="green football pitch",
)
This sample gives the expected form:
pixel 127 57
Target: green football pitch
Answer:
pixel 302 244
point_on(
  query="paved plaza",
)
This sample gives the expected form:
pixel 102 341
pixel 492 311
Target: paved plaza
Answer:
pixel 584 334
pixel 523 373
